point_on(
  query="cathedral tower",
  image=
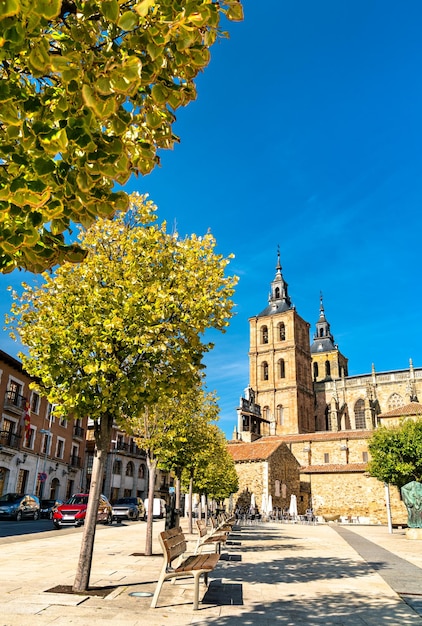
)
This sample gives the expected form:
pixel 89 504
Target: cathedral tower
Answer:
pixel 280 363
pixel 327 361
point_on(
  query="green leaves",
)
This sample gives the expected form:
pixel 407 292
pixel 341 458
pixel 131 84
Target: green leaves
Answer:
pixel 69 84
pixel 397 453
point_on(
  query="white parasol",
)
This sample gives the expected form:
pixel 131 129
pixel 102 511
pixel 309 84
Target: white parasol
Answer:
pixel 293 506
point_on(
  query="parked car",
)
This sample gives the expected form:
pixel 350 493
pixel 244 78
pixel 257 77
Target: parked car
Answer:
pixel 19 506
pixel 48 507
pixel 73 511
pixel 158 508
pixel 128 508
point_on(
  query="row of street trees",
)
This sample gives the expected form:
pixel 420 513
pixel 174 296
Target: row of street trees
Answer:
pixel 120 337
pixel 88 94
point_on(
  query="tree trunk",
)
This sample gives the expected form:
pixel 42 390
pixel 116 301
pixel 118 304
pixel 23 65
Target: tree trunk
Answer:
pixel 190 505
pixel 177 491
pixel 102 439
pixel 152 465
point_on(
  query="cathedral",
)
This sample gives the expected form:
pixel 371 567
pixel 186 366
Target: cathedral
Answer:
pixel 302 407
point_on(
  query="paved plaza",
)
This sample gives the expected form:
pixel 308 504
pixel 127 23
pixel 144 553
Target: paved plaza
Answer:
pixel 269 574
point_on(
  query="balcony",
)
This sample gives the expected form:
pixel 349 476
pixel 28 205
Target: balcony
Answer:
pixel 14 402
pixel 75 461
pixel 9 440
pixel 78 432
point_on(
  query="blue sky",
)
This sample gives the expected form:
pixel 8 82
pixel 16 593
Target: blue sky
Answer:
pixel 306 134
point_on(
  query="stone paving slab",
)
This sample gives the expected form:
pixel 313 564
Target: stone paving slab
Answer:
pixel 271 574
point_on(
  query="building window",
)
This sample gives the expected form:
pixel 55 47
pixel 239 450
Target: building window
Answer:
pixel 29 439
pixel 277 293
pixel 35 403
pixel 266 412
pixel 264 334
pixel 395 401
pixel 282 331
pixel 281 369
pixel 277 488
pixel 63 422
pixel 60 448
pixel 117 467
pixel 280 414
pixel 365 457
pixel 315 366
pixel 360 414
pixel 327 368
pixel 50 412
pixel 326 457
pixel 141 471
pixel 265 370
pixel 129 469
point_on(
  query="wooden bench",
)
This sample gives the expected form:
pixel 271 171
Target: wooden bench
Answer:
pixel 209 538
pixel 174 547
pixel 222 524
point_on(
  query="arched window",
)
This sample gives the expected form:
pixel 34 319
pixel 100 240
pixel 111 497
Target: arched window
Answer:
pixel 321 332
pixel 280 414
pixel 282 331
pixel 327 368
pixel 281 368
pixel 129 469
pixel 264 334
pixel 315 366
pixel 394 401
pixel 117 467
pixel 265 370
pixel 141 471
pixel 277 293
pixel 360 414
pixel 266 413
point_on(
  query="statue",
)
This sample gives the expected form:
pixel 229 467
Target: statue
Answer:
pixel 412 497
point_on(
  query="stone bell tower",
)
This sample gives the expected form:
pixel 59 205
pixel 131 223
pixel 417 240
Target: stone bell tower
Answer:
pixel 280 363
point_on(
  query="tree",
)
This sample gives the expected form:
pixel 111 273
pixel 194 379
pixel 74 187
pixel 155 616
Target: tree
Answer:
pixel 397 453
pixel 88 92
pixel 114 334
pixel 167 432
pixel 211 472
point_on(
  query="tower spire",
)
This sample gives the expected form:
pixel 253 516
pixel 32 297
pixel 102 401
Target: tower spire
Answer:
pixel 278 299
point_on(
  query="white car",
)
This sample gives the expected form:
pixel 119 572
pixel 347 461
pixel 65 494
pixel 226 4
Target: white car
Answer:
pixel 158 508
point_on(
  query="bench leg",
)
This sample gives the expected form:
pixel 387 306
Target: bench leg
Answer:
pixel 157 591
pixel 196 591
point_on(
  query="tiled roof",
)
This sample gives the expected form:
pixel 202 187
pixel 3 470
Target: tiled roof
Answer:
pixel 309 437
pixel 256 451
pixel 414 408
pixel 333 468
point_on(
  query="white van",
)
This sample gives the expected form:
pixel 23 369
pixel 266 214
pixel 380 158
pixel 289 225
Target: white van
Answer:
pixel 158 508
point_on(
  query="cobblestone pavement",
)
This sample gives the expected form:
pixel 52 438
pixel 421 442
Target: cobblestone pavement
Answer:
pixel 269 574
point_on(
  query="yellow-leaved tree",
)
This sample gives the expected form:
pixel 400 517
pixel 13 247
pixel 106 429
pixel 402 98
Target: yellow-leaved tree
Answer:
pixel 88 94
pixel 113 335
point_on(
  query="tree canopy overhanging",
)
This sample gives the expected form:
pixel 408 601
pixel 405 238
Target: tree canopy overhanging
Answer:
pixel 397 453
pixel 88 91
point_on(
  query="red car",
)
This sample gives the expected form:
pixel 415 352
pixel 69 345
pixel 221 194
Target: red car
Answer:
pixel 73 512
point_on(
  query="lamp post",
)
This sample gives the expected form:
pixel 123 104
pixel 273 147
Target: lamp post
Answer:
pixel 43 475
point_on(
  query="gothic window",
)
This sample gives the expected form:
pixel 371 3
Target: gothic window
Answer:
pixel 315 365
pixel 394 401
pixel 282 331
pixel 265 370
pixel 327 368
pixel 360 414
pixel 280 414
pixel 264 334
pixel 129 469
pixel 281 368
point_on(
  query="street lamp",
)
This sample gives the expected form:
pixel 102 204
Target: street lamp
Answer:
pixel 43 476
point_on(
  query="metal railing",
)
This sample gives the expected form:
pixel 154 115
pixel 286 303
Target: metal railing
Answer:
pixel 14 401
pixel 9 439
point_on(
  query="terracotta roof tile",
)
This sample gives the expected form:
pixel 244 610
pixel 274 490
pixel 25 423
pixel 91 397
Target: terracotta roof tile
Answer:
pixel 256 451
pixel 333 468
pixel 413 408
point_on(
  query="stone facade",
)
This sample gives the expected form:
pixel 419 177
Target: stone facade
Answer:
pixel 303 398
